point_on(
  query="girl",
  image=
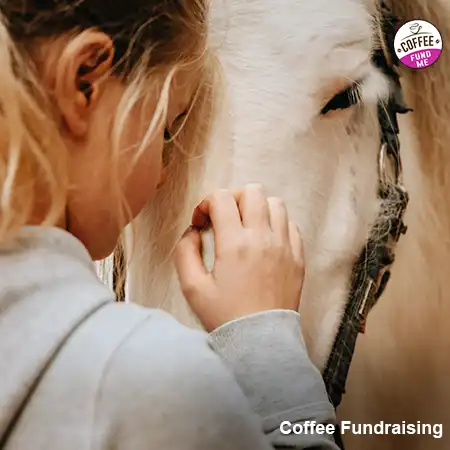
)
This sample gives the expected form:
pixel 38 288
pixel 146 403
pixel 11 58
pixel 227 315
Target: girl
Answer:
pixel 88 89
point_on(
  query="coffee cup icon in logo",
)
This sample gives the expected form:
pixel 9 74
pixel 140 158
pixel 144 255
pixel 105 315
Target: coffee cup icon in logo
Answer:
pixel 415 28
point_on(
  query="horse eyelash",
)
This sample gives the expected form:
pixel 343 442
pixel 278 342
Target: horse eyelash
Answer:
pixel 345 99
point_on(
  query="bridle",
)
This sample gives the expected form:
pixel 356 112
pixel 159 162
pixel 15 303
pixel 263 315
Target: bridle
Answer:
pixel 371 271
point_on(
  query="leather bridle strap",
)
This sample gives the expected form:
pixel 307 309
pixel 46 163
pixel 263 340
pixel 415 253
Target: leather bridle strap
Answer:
pixel 372 269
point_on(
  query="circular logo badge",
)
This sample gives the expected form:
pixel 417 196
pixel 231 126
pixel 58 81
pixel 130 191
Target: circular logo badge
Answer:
pixel 418 44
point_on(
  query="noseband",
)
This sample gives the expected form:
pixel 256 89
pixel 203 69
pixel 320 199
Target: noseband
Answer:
pixel 371 271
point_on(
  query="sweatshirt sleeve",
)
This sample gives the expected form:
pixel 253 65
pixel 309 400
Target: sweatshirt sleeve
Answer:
pixel 267 354
pixel 167 387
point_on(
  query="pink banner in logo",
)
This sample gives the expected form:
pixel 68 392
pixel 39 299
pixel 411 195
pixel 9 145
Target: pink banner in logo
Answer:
pixel 421 58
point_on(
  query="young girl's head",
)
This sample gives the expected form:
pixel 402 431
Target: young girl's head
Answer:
pixel 92 93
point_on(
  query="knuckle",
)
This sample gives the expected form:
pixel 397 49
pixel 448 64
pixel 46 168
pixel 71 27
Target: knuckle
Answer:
pixel 280 246
pixel 271 247
pixel 265 248
pixel 239 247
pixel 254 243
pixel 219 194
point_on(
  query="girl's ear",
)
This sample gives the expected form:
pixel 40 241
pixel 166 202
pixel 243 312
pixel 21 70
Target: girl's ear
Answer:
pixel 85 62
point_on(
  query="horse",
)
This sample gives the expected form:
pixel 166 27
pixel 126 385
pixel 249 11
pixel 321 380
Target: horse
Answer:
pixel 281 62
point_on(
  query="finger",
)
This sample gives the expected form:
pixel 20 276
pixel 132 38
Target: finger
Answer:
pixel 200 216
pixel 296 242
pixel 219 209
pixel 253 207
pixel 192 273
pixel 279 221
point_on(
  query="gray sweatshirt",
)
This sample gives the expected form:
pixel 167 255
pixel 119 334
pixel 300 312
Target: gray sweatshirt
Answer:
pixel 79 371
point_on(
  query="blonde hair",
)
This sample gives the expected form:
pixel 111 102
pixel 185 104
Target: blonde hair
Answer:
pixel 184 155
pixel 150 50
pixel 30 144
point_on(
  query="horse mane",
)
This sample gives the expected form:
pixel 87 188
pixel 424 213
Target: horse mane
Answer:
pixel 426 92
pixel 427 162
pixel 401 360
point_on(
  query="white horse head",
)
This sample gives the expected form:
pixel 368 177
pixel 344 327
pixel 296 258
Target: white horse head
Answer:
pixel 323 166
pixel 282 61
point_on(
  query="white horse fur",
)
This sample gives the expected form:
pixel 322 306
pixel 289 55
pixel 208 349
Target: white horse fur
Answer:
pixel 282 60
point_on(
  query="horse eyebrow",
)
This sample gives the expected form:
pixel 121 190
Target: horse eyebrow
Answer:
pixel 350 56
pixel 350 43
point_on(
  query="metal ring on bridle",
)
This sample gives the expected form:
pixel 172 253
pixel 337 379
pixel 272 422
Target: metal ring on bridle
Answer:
pixel 386 157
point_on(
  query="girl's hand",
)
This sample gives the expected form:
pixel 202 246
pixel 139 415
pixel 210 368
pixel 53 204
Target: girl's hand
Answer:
pixel 258 258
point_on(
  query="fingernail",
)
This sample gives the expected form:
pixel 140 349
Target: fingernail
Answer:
pixel 204 225
pixel 254 186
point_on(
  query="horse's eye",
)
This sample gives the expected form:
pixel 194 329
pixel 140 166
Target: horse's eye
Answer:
pixel 344 99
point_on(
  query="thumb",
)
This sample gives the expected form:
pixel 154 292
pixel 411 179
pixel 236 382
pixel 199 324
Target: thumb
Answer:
pixel 192 273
